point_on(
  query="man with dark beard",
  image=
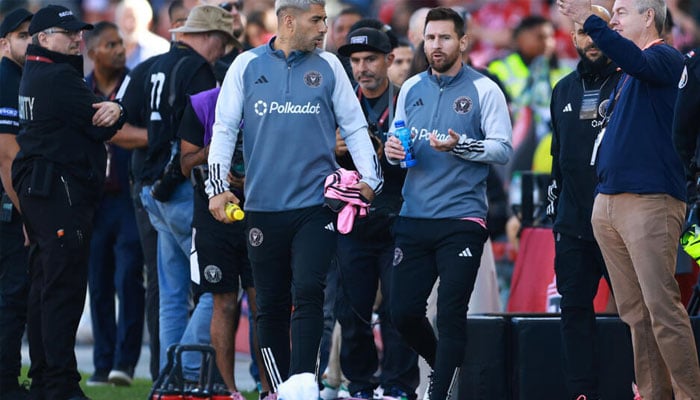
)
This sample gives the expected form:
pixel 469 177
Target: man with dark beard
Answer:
pixel 460 123
pixel 578 107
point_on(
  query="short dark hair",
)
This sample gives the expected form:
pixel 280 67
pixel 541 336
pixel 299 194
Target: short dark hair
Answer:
pixel 669 23
pixel 530 22
pixel 403 42
pixel 174 5
pixel 350 11
pixel 91 36
pixel 446 14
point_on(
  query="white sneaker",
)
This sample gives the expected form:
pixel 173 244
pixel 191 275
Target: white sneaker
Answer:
pixel 343 391
pixel 299 387
pixel 120 378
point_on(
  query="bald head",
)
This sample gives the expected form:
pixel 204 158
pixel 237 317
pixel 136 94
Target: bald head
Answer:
pixel 588 51
pixel 601 11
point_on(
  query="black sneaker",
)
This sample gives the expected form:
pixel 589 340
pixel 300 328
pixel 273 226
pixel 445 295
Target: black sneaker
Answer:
pixel 121 376
pixel 99 378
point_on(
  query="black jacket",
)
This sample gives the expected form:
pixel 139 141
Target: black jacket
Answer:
pixel 172 77
pixel 55 110
pixel 686 121
pixel 572 147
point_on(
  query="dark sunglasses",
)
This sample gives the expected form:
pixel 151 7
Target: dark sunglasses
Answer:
pixel 230 5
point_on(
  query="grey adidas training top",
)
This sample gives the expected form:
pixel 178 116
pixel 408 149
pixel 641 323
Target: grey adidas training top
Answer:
pixel 452 184
pixel 290 108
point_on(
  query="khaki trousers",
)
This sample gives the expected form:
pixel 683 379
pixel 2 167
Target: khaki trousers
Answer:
pixel 638 236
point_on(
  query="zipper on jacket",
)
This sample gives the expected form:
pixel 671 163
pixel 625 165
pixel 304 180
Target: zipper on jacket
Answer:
pixel 65 186
pixel 436 114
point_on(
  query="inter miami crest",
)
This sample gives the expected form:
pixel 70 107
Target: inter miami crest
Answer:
pixel 255 237
pixel 462 105
pixel 684 78
pixel 398 256
pixel 603 107
pixel 212 274
pixel 313 79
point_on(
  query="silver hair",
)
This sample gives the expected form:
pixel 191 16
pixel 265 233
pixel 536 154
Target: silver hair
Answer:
pixel 659 7
pixel 304 5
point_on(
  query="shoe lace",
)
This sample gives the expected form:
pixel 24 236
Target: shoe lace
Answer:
pixel 635 390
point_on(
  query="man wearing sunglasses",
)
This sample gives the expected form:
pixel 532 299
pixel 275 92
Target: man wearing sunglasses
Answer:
pixel 58 175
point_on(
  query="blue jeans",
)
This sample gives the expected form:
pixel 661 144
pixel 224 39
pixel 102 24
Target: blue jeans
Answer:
pixel 173 221
pixel 197 332
pixel 116 266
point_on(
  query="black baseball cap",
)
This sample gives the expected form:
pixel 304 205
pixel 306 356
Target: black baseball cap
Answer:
pixel 366 39
pixel 56 16
pixel 13 20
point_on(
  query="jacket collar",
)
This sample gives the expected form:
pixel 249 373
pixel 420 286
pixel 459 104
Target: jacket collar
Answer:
pixel 444 81
pixel 586 72
pixel 294 57
pixel 45 55
pixel 11 64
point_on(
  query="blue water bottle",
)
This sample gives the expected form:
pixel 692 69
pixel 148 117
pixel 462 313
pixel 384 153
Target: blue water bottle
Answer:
pixel 404 135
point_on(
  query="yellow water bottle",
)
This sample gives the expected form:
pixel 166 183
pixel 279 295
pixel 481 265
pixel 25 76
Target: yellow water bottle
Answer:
pixel 234 212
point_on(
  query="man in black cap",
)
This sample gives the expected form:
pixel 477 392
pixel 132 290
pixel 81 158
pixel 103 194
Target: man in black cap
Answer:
pixel 365 254
pixel 14 38
pixel 58 174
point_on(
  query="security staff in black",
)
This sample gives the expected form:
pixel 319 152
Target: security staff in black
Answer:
pixel 365 255
pixel 578 109
pixel 58 175
pixel 686 124
pixel 14 280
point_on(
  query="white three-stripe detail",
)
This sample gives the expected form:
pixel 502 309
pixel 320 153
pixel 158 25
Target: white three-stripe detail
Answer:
pixel 271 366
